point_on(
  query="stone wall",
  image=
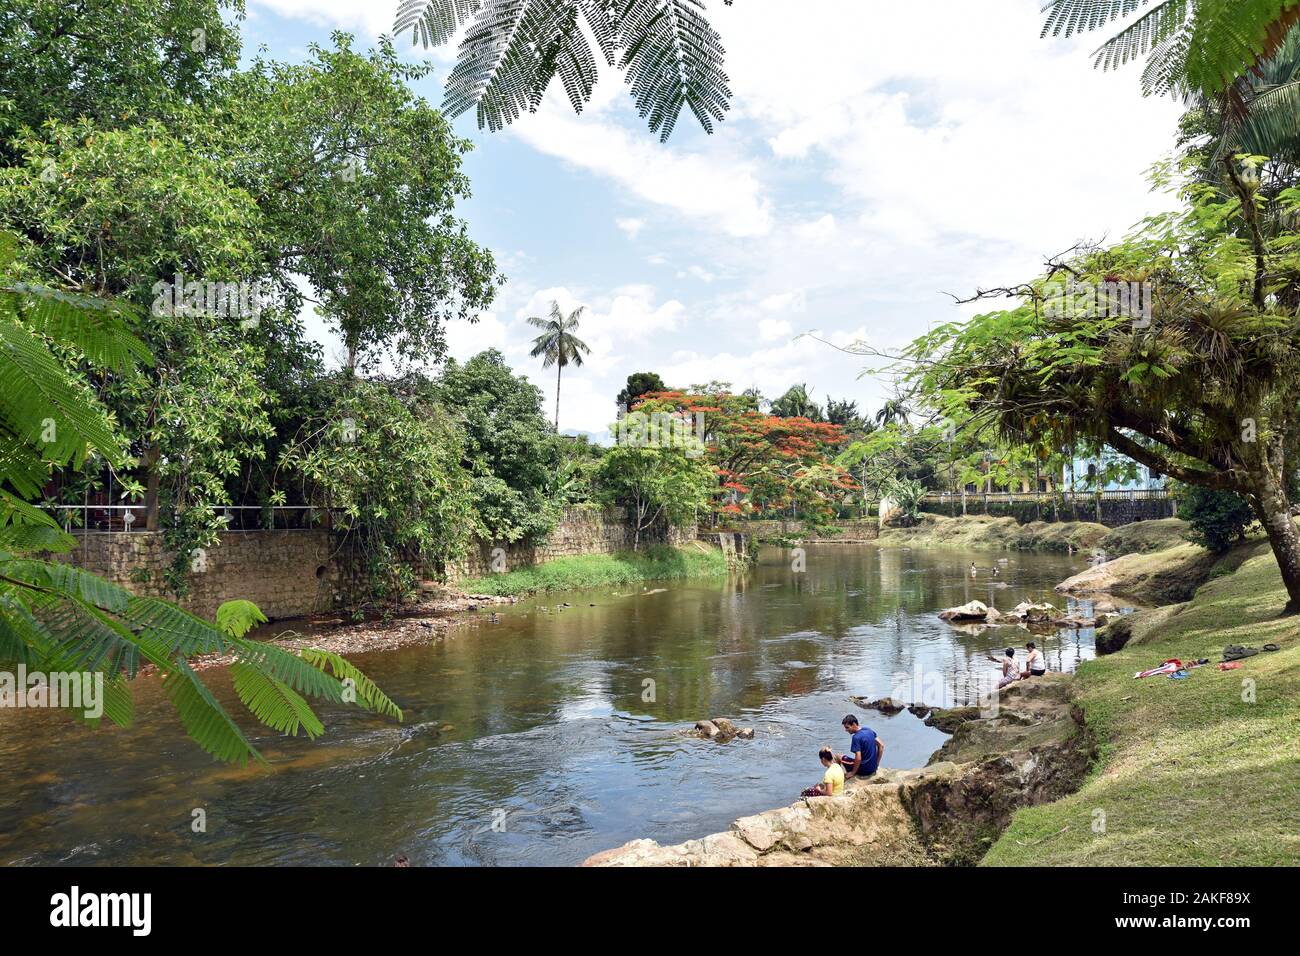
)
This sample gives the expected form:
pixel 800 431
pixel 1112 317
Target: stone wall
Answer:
pixel 1112 511
pixel 581 531
pixel 296 573
pixel 285 573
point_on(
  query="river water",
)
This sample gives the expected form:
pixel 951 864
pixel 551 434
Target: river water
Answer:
pixel 548 735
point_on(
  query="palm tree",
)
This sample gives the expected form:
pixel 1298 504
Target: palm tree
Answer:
pixel 893 412
pixel 560 346
pixel 514 48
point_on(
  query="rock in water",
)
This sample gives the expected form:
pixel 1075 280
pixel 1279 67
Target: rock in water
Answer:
pixel 706 728
pixel 887 705
pixel 970 611
pixel 725 727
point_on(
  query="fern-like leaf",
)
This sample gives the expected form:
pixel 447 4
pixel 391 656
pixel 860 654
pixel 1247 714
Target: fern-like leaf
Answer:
pixel 673 58
pixel 237 618
pixel 273 702
pixel 513 49
pixel 205 719
pixel 370 696
pixel 433 22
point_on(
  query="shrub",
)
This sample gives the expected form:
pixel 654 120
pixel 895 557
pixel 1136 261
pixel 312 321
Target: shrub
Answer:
pixel 1218 519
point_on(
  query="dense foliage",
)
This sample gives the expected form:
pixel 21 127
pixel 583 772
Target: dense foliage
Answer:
pixel 1200 384
pixel 1217 519
pixel 56 619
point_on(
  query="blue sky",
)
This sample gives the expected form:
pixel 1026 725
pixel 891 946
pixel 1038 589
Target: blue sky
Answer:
pixel 877 156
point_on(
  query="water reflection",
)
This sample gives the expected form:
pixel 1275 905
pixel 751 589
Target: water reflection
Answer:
pixel 551 734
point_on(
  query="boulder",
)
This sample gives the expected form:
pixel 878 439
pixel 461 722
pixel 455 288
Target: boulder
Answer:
pixel 887 705
pixel 970 611
pixel 707 728
pixel 720 730
pixel 919 710
pixel 1032 613
pixel 1114 635
pixel 949 719
pixel 725 727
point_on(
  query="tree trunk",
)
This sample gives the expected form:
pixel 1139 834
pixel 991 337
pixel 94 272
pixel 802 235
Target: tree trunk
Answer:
pixel 559 367
pixel 1273 509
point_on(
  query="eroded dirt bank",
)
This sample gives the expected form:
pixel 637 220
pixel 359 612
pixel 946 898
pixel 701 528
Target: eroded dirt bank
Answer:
pixel 1031 749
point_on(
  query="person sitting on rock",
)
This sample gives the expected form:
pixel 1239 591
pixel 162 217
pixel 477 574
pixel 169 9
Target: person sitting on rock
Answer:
pixel 1010 672
pixel 832 784
pixel 1036 664
pixel 865 749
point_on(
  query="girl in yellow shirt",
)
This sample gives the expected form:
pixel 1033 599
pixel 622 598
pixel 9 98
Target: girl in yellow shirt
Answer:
pixel 832 784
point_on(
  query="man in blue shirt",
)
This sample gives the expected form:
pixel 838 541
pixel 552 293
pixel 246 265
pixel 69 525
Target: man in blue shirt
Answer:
pixel 865 749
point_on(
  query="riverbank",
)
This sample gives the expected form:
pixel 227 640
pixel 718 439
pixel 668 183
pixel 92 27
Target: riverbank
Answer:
pixel 658 563
pixel 1028 750
pixel 1195 772
pixel 982 533
pixel 419 623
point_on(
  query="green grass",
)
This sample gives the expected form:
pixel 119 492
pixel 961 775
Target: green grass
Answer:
pixel 1189 772
pixel 659 563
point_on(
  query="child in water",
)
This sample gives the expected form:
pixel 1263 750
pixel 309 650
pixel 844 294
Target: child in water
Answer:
pixel 832 784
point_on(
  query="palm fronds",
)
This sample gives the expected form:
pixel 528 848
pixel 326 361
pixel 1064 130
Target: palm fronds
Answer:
pixel 512 50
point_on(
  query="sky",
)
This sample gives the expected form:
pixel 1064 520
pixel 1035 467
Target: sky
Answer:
pixel 877 157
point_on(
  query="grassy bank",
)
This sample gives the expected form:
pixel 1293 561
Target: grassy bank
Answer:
pixel 660 563
pixel 1189 772
pixel 982 533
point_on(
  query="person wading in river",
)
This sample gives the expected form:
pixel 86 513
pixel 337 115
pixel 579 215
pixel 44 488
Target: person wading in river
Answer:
pixel 865 749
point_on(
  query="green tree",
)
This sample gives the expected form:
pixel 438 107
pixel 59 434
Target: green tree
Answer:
pixel 513 49
pixel 658 485
pixel 388 465
pixel 117 61
pixel 559 344
pixel 1217 519
pixel 357 180
pixel 1191 47
pixel 1201 382
pixel 638 384
pixel 796 403
pixel 56 618
pixel 511 452
pixel 892 412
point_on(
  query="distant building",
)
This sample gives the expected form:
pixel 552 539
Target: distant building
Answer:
pixel 1082 473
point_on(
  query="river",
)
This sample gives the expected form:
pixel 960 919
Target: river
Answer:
pixel 548 735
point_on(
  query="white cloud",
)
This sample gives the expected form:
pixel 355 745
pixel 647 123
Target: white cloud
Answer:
pixel 370 18
pixel 784 302
pixel 466 339
pixel 769 330
pixel 632 227
pixel 716 187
